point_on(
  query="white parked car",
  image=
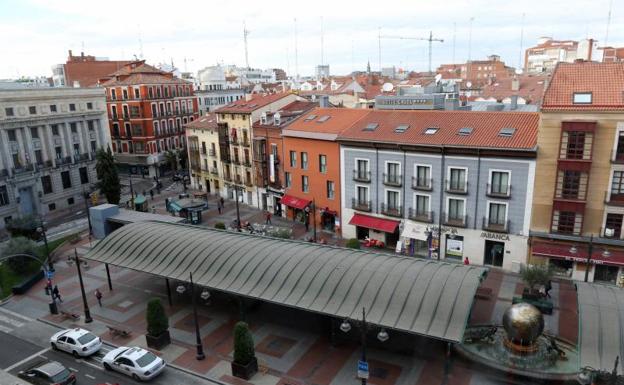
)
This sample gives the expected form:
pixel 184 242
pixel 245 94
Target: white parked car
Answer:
pixel 79 342
pixel 138 363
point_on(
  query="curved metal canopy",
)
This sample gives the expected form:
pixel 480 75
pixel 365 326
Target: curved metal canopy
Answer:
pixel 413 295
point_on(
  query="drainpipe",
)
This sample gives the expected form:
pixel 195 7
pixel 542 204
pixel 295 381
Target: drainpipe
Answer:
pixel 377 177
pixel 441 205
pixel 403 201
pixel 477 192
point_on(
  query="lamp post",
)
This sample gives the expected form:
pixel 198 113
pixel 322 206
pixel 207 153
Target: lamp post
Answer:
pixel 381 336
pixel 88 318
pixel 45 242
pixel 200 349
pixel 590 250
pixel 238 221
pixel 86 196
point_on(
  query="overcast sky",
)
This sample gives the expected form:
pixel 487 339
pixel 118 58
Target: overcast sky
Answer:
pixel 36 34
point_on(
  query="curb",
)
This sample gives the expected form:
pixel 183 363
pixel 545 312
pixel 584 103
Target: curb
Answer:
pixel 176 367
pixel 6 300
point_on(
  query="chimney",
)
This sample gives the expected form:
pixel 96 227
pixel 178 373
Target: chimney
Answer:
pixel 514 102
pixel 324 101
pixel 248 97
pixel 70 53
pixel 515 84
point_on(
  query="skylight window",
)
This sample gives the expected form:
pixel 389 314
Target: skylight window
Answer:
pixel 310 117
pixel 582 98
pixel 253 105
pixel 431 130
pixel 371 126
pixel 402 128
pixel 323 119
pixel 507 132
pixel 465 131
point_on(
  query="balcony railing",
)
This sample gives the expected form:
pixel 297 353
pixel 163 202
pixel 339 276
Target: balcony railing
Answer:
pixel 114 117
pixel 227 178
pixel 23 169
pixel 212 152
pixel 361 205
pixel 214 171
pixel 4 173
pixel 248 182
pixel 245 142
pixel 391 210
pixel 362 176
pixel 498 194
pixel 496 227
pixel 238 180
pixel 237 161
pixel 82 157
pixel 614 199
pixel 247 163
pixel 425 184
pixel 420 216
pixel 456 188
pixel 234 140
pixel 459 221
pixel 126 117
pixel 392 180
pixel 64 160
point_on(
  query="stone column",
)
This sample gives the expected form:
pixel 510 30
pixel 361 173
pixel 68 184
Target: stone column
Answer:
pixel 28 146
pixel 4 142
pixel 22 148
pixel 49 140
pixel 66 139
pixel 43 139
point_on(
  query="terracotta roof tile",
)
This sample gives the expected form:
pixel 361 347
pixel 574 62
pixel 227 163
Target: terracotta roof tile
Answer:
pixel 204 122
pixel 339 120
pixel 485 128
pixel 605 81
pixel 531 89
pixel 139 72
pixel 248 106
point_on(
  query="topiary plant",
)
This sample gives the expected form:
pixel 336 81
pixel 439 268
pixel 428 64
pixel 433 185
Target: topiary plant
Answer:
pixel 243 344
pixel 535 275
pixel 220 226
pixel 353 243
pixel 157 320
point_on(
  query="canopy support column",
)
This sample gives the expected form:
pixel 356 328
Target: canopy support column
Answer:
pixel 110 284
pixel 168 292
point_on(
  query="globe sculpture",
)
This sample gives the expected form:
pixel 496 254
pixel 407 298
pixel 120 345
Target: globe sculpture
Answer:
pixel 523 323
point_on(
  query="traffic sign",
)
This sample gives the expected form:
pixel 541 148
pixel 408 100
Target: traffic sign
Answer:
pixel 49 274
pixel 362 369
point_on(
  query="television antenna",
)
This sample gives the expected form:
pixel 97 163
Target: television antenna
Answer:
pixel 430 39
pixel 245 34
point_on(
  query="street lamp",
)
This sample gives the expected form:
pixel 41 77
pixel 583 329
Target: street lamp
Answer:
pixel 205 295
pixel 238 221
pixel 605 253
pixel 382 336
pixel 181 289
pixel 86 197
pixel 88 318
pixel 200 349
pixel 45 241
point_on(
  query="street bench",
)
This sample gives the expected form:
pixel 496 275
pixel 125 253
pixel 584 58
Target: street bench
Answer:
pixel 70 315
pixel 483 293
pixel 118 330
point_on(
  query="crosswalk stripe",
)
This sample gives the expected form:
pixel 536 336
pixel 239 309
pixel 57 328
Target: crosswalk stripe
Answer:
pixel 5 329
pixel 10 321
pixel 15 315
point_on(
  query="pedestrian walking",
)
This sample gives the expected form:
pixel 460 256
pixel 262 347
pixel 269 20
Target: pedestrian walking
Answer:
pixel 56 294
pixel 307 223
pixel 219 206
pixel 98 295
pixel 547 288
pixel 222 202
pixel 152 194
pixel 466 261
pixel 268 218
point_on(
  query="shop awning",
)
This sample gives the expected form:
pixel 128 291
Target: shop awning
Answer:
pixel 414 230
pixel 174 206
pixel 379 224
pixel 295 202
pixel 613 256
pixel 601 316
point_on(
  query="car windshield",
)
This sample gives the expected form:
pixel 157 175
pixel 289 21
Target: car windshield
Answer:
pixel 85 339
pixel 61 376
pixel 146 359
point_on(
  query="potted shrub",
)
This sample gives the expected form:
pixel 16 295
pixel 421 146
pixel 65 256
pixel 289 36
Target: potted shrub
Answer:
pixel 353 243
pixel 245 364
pixel 534 276
pixel 157 336
pixel 220 225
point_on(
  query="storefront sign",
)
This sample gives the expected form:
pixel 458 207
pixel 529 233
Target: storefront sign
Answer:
pixel 454 247
pixel 497 236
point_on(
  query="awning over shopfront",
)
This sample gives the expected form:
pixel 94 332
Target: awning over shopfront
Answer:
pixel 601 323
pixel 174 207
pixel 414 230
pixel 379 224
pixel 295 202
pixel 412 295
pixel 613 256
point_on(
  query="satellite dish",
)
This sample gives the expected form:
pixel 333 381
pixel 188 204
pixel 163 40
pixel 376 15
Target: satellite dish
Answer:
pixel 518 71
pixel 469 84
pixel 438 77
pixel 387 87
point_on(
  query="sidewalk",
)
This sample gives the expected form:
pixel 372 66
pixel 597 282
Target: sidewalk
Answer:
pixel 292 347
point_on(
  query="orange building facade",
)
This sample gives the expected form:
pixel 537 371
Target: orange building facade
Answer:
pixel 312 167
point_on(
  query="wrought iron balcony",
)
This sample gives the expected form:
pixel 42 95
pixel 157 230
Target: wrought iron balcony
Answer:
pixel 425 184
pixel 488 225
pixel 214 171
pixel 392 210
pixel 420 216
pixel 212 152
pixel 454 187
pixel 503 191
pixel 392 180
pixel 456 221
pixel 359 205
pixel 362 176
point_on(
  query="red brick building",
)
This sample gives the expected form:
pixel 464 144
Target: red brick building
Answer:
pixel 84 70
pixel 147 109
pixel 478 72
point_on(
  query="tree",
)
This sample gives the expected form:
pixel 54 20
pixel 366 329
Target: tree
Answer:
pixel 243 344
pixel 19 245
pixel 183 155
pixel 172 158
pixel 108 175
pixel 534 275
pixel 157 321
pixel 25 226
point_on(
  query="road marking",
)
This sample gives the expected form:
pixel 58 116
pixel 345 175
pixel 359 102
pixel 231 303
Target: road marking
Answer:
pixel 5 329
pixel 15 365
pixel 91 364
pixel 90 376
pixel 73 370
pixel 11 321
pixel 14 314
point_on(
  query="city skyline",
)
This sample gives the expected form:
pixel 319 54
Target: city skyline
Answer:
pixel 350 33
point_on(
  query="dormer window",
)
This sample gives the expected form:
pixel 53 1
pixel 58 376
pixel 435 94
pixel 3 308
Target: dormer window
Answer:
pixel 582 98
pixel 263 118
pixel 277 119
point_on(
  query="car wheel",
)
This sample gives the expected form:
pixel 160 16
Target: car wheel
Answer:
pixel 135 377
pixel 107 366
pixel 75 354
pixel 54 347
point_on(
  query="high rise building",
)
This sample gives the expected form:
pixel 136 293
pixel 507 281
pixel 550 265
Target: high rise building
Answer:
pixel 84 70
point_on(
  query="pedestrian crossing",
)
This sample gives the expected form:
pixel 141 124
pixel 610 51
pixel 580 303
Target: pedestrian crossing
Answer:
pixel 9 321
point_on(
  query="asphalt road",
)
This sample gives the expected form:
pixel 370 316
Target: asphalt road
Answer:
pixel 89 371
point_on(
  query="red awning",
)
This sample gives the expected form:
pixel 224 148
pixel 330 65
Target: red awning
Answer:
pixel 380 224
pixel 295 202
pixel 562 251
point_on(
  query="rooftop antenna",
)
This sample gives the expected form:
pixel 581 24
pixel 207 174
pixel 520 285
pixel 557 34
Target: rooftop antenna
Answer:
pixel 352 56
pixel 322 53
pixel 379 35
pixel 296 53
pixel 245 33
pixel 608 23
pixel 470 39
pixel 140 43
pixel 454 37
pixel 520 65
pixel 82 46
pixel 288 60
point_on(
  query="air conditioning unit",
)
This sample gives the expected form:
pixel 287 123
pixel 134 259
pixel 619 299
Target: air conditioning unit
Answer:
pixel 608 233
